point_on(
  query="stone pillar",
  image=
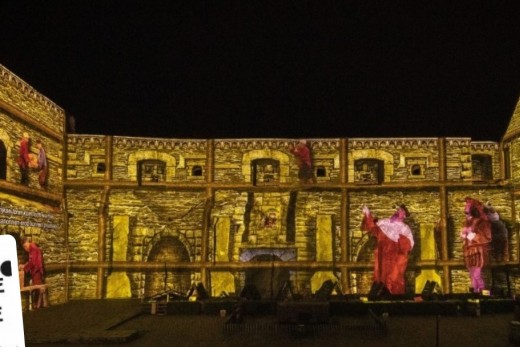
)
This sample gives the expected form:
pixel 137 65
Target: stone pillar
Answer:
pixel 118 283
pixel 345 245
pixel 444 214
pixel 102 226
pixel 427 232
pixel 222 281
pixel 324 244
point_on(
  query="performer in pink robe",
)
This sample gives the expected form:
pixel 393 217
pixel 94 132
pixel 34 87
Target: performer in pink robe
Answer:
pixel 476 235
pixel 394 242
pixel 42 165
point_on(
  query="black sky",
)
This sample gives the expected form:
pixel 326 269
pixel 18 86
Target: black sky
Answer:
pixel 189 69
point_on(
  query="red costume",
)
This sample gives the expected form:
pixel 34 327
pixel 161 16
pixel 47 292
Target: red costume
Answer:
pixel 302 152
pixel 34 265
pixel 394 242
pixel 476 235
pixel 23 159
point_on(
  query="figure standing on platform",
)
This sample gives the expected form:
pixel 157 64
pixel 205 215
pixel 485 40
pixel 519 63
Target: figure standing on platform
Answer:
pixel 476 235
pixel 34 266
pixel 303 154
pixel 24 159
pixel 42 165
pixel 394 243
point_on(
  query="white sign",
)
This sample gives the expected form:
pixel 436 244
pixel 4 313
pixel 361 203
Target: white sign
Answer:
pixel 11 320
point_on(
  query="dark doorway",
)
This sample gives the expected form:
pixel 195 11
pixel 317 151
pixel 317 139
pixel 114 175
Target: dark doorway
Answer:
pixel 267 281
pixel 168 249
pixel 3 161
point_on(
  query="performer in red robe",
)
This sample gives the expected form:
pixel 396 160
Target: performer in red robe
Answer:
pixel 394 242
pixel 34 266
pixel 23 159
pixel 302 152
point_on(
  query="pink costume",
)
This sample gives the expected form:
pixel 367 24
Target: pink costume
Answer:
pixel 394 242
pixel 476 235
pixel 42 166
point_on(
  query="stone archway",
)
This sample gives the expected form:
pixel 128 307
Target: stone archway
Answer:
pixel 267 281
pixel 168 249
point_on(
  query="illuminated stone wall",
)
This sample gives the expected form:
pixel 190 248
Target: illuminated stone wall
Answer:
pixel 278 217
pixel 233 158
pixel 137 212
pixel 28 210
pixel 10 134
pixel 86 157
pixel 16 94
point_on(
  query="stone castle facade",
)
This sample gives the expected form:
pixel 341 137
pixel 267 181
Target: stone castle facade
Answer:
pixel 133 217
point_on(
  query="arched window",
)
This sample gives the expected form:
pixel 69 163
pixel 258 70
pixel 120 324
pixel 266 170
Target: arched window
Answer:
pixel 507 163
pixel 265 171
pixel 100 168
pixel 196 170
pixel 482 168
pixel 151 171
pixel 321 171
pixel 368 171
pixel 416 170
pixel 3 161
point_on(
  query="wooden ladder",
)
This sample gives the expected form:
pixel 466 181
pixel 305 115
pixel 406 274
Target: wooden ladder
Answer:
pixel 162 308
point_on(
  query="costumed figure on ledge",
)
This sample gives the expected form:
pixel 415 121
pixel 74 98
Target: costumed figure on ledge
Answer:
pixel 23 159
pixel 476 235
pixel 394 242
pixel 43 169
pixel 303 154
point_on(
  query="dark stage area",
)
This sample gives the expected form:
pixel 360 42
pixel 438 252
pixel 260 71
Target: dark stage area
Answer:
pixel 455 321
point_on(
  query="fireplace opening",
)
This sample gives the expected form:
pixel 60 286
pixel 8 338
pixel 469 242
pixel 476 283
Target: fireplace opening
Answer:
pixel 168 249
pixel 269 281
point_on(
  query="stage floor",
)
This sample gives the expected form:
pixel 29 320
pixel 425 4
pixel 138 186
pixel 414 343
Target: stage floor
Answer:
pixel 100 322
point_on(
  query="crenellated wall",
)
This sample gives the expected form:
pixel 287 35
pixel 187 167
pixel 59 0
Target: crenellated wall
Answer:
pixel 22 99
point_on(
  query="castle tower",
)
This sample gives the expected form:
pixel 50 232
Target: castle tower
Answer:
pixel 511 147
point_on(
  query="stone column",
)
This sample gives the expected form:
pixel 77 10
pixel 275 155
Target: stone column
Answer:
pixel 118 283
pixel 427 232
pixel 324 244
pixel 222 281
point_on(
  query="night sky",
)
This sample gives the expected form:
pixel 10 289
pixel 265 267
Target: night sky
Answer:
pixel 298 69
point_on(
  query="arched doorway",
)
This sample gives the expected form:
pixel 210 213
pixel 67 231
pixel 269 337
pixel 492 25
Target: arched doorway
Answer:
pixel 3 161
pixel 168 249
pixel 267 281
